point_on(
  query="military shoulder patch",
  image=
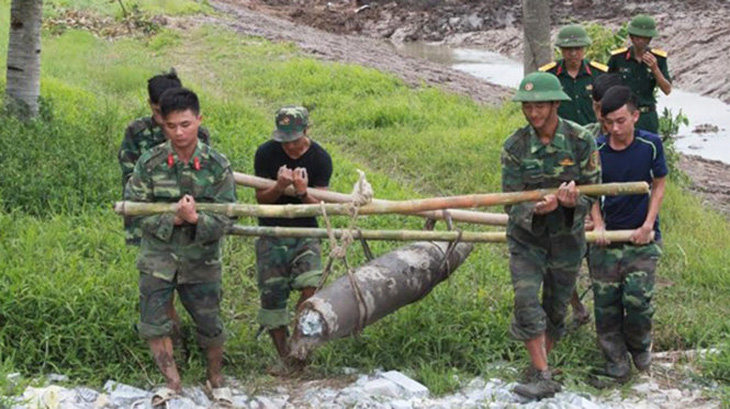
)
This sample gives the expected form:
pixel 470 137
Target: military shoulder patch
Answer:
pixel 599 66
pixel 619 51
pixel 660 53
pixel 567 162
pixel 548 67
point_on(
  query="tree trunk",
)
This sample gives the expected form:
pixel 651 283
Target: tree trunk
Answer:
pixel 536 25
pixel 24 57
pixel 384 284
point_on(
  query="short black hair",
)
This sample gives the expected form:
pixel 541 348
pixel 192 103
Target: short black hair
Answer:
pixel 616 97
pixel 157 85
pixel 179 99
pixel 603 83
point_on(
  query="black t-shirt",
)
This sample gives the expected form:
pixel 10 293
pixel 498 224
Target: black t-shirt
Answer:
pixel 270 156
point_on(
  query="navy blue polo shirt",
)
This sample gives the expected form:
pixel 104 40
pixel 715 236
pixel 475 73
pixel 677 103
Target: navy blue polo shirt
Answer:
pixel 642 160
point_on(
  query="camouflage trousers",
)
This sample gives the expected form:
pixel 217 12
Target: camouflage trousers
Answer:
pixel 623 286
pixel 284 264
pixel 550 262
pixel 201 300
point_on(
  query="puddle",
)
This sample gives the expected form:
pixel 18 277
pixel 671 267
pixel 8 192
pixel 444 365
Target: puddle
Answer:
pixel 498 69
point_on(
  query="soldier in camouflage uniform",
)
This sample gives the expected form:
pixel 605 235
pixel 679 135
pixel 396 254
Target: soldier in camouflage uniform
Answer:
pixel 143 134
pixel 643 69
pixel 576 74
pixel 291 158
pixel 546 239
pixel 623 273
pixel 182 251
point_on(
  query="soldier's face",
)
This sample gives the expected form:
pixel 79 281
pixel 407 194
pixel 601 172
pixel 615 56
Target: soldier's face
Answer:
pixel 573 54
pixel 181 128
pixel 640 42
pixel 620 123
pixel 538 114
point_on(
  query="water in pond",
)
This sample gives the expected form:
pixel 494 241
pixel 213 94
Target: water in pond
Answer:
pixel 710 114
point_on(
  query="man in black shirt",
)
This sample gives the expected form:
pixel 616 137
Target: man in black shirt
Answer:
pixel 283 264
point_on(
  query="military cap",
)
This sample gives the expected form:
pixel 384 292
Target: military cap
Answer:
pixel 573 35
pixel 603 83
pixel 291 121
pixel 643 26
pixel 540 86
pixel 615 98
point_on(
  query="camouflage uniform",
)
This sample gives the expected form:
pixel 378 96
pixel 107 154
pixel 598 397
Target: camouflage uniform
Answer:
pixel 546 250
pixel 140 136
pixel 284 264
pixel 595 129
pixel 623 286
pixel 185 257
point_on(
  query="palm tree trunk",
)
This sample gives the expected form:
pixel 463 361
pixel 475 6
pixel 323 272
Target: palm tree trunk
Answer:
pixel 24 57
pixel 536 25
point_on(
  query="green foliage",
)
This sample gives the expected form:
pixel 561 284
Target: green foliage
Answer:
pixel 58 164
pixel 669 125
pixel 604 41
pixel 68 290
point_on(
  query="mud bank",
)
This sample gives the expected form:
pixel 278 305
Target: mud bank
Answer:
pixel 694 32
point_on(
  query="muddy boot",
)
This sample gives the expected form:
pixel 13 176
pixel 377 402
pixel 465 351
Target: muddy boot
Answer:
pixel 642 360
pixel 541 386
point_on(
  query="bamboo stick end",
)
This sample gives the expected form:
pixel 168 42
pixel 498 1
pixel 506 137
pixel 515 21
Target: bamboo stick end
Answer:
pixel 119 207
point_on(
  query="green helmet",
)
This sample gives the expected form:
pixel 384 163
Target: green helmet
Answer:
pixel 643 26
pixel 573 35
pixel 291 121
pixel 540 87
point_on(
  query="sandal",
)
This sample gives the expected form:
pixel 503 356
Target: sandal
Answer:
pixel 222 396
pixel 162 396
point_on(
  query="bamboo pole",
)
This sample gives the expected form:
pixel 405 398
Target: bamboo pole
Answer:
pixel 417 205
pixel 490 219
pixel 615 236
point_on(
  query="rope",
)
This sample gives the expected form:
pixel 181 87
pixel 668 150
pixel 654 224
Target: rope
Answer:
pixel 362 194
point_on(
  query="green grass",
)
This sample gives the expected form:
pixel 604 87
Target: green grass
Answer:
pixel 68 290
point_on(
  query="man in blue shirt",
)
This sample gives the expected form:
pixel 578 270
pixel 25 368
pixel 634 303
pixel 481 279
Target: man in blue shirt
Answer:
pixel 623 273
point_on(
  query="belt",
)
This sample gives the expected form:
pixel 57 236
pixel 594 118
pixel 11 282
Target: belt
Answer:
pixel 648 108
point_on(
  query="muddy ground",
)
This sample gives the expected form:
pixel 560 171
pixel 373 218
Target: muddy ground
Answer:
pixel 696 34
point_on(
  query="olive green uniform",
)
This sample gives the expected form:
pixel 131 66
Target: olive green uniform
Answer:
pixel 580 108
pixel 546 250
pixel 637 76
pixel 186 257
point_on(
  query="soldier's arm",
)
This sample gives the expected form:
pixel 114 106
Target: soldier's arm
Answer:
pixel 212 226
pixel 590 172
pixel 128 155
pixel 521 213
pixel 139 189
pixel 661 74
